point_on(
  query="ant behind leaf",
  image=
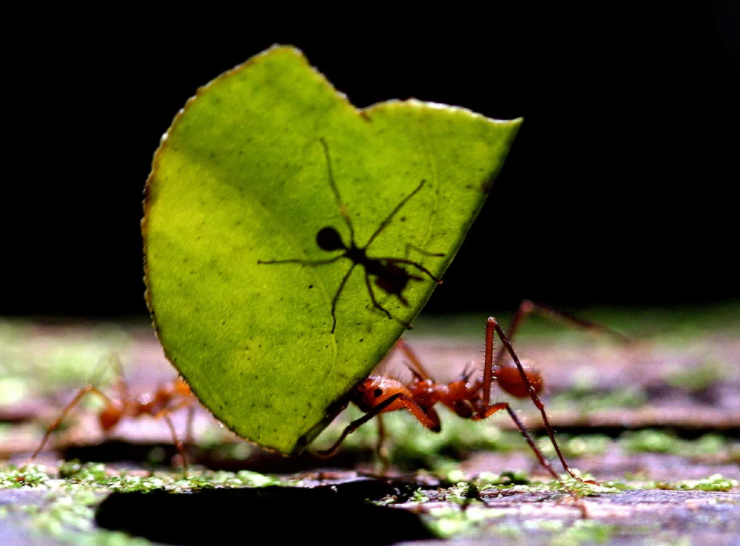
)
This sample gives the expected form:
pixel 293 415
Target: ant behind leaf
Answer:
pixel 389 274
pixel 160 404
pixel 466 396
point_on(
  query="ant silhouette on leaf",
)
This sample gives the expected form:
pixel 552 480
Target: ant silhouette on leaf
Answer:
pixel 467 397
pixel 389 274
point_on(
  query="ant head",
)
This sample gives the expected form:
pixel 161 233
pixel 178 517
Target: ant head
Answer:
pixel 329 239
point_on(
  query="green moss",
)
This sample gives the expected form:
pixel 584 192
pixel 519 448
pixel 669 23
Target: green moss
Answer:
pixel 585 531
pixel 486 479
pixel 699 378
pixel 586 399
pixel 715 482
pixel 75 489
pixel 26 476
pixel 659 441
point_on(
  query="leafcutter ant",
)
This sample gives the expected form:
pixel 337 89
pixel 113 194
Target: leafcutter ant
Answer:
pixel 167 399
pixel 467 397
pixel 389 274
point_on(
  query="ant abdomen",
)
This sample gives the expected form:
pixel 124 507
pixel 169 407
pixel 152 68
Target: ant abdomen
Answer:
pixel 510 380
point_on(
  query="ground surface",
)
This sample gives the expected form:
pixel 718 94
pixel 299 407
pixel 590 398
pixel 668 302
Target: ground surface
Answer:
pixel 656 422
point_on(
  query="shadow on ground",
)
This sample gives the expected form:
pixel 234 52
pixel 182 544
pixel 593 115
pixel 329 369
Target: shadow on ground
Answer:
pixel 326 515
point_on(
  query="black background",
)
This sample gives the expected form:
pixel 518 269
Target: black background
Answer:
pixel 620 187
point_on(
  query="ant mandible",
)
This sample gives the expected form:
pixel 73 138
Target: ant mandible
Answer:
pixel 167 399
pixel 469 399
pixel 389 273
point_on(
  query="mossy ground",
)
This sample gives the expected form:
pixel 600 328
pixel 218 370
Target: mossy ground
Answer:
pixel 660 479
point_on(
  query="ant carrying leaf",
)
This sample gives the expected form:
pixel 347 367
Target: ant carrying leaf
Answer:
pixel 468 397
pixel 389 273
pixel 241 179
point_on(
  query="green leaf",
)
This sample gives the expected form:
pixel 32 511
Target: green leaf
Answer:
pixel 242 177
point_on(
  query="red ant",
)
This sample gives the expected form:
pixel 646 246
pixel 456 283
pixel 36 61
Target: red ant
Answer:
pixel 466 397
pixel 389 276
pixel 168 398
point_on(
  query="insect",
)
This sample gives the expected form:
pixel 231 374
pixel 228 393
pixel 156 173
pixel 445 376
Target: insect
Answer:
pixel 468 397
pixel 389 274
pixel 160 404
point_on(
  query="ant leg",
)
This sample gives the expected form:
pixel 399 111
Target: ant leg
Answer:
pixel 380 307
pixel 340 204
pixel 165 414
pixel 381 449
pixel 430 421
pixel 414 264
pixel 82 392
pixel 417 367
pixel 523 429
pixel 121 384
pixel 357 423
pixel 336 298
pixel 410 247
pixel 189 426
pixel 492 325
pixel 528 306
pixel 388 219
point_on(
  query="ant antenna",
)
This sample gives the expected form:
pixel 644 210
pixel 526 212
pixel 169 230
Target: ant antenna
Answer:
pixel 340 204
pixel 387 221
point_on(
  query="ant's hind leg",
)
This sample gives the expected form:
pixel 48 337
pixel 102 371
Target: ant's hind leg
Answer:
pixel 491 326
pixel 528 306
pixel 413 264
pixel 494 408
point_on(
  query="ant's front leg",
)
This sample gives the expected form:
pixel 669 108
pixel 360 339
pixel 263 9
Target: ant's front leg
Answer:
pixel 357 423
pixel 428 418
pixel 65 411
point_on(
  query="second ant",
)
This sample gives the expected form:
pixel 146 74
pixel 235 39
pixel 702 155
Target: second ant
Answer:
pixel 169 397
